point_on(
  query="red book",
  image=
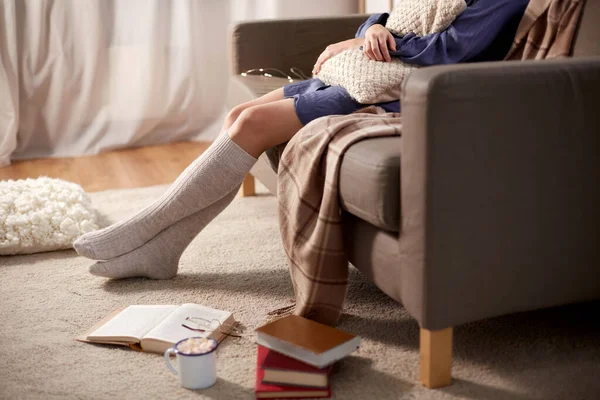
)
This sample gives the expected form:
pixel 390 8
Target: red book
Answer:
pixel 283 370
pixel 269 391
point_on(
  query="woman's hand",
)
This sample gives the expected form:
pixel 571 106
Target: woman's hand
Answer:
pixel 334 49
pixel 378 43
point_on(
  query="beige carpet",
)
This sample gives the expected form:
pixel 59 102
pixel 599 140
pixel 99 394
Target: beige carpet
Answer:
pixel 237 263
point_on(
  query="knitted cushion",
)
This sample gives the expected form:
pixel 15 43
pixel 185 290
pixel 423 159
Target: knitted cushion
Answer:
pixel 369 81
pixel 42 215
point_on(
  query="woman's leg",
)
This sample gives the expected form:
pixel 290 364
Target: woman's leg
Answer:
pixel 235 112
pixel 212 176
pixel 263 126
pixel 159 257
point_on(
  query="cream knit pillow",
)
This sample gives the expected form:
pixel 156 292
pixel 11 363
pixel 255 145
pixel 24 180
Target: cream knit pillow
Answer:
pixel 369 81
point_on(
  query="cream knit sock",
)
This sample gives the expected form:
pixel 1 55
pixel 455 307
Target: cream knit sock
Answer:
pixel 159 257
pixel 220 169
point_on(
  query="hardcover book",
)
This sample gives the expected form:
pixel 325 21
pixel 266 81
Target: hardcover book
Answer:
pixel 155 328
pixel 284 370
pixel 308 341
pixel 269 391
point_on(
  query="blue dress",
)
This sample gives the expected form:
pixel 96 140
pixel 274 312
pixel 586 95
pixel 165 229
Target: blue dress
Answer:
pixel 483 32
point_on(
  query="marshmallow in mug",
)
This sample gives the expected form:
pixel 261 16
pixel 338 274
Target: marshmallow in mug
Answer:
pixel 196 346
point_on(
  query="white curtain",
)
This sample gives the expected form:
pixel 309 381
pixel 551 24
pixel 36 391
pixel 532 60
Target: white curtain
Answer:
pixel 9 93
pixel 81 76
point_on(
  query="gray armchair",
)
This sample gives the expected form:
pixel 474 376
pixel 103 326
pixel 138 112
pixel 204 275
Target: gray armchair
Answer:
pixel 488 204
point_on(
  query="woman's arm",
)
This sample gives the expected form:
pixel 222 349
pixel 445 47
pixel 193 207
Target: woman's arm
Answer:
pixel 470 34
pixel 335 49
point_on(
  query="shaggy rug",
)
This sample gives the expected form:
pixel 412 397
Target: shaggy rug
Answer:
pixel 237 263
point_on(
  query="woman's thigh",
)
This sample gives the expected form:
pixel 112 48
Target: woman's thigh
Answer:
pixel 263 126
pixel 270 97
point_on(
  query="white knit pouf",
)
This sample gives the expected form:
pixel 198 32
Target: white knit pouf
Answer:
pixel 369 81
pixel 42 214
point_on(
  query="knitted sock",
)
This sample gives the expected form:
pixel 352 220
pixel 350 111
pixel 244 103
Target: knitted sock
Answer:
pixel 159 257
pixel 220 169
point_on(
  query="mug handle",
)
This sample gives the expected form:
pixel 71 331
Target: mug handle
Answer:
pixel 168 353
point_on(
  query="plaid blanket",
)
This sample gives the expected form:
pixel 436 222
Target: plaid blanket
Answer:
pixel 547 30
pixel 308 172
pixel 309 208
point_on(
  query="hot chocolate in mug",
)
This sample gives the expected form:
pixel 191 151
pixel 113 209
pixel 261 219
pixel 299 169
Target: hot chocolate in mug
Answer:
pixel 196 362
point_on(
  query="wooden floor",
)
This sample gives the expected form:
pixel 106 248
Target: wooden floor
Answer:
pixel 144 166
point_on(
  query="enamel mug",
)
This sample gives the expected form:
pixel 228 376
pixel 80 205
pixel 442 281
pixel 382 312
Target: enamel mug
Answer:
pixel 195 371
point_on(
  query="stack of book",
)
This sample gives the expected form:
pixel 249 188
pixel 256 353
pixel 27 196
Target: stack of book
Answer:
pixel 295 357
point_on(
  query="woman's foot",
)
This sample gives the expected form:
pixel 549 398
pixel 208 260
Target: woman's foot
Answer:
pixel 159 257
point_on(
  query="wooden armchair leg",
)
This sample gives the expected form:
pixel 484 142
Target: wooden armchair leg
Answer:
pixel 248 188
pixel 436 358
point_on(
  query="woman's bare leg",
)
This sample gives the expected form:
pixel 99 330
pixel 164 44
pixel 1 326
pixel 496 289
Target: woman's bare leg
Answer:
pixel 263 126
pixel 248 186
pixel 235 112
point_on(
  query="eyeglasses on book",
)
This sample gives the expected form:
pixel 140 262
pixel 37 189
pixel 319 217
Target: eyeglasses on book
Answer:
pixel 198 324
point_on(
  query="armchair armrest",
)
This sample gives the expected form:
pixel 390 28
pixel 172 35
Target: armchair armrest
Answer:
pixel 500 188
pixel 290 43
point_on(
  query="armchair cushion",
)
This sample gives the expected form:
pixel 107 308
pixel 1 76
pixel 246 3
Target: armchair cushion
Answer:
pixel 370 181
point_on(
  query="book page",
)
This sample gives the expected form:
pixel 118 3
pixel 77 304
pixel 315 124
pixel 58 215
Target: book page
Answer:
pixel 170 330
pixel 134 321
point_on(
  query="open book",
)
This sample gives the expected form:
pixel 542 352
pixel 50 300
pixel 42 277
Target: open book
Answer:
pixel 155 328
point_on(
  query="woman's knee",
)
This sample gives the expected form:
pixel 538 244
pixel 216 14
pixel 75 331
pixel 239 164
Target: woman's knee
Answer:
pixel 234 114
pixel 250 128
pixel 264 126
pixel 249 121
